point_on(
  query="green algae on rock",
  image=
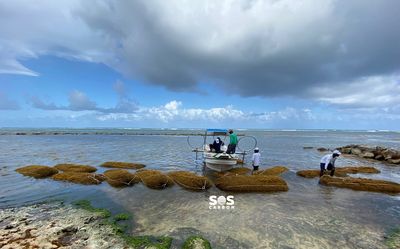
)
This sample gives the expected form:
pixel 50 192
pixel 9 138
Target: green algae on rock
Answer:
pixel 69 167
pixel 273 171
pixel 196 242
pixel 123 165
pixel 190 180
pixel 154 179
pixel 251 183
pixel 79 177
pixel 149 242
pixel 392 241
pixel 37 171
pixel 122 216
pixel 120 178
pixel 86 205
pixel 361 184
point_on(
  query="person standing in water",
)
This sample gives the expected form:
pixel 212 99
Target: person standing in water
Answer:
pixel 255 160
pixel 328 162
pixel 232 142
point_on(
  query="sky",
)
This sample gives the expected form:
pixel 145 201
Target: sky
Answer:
pixel 265 64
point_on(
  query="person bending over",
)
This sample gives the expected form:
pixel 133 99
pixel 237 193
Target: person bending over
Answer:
pixel 328 162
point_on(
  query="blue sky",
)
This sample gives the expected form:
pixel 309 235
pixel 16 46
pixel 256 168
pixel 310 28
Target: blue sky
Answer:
pixel 209 64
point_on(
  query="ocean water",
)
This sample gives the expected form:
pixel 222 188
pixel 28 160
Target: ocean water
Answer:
pixel 307 216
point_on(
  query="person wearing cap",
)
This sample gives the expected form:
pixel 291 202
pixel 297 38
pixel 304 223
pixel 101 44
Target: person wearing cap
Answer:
pixel 328 162
pixel 255 160
pixel 233 140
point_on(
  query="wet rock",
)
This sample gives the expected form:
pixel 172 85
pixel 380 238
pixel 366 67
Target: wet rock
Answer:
pixel 356 151
pixel 120 178
pixel 123 165
pixel 308 147
pixel 37 171
pixel 361 184
pixel 368 155
pixel 189 180
pixel 251 183
pixel 79 177
pixel 273 171
pixel 69 167
pixel 154 179
pixel 394 161
pixel 321 149
pixel 377 153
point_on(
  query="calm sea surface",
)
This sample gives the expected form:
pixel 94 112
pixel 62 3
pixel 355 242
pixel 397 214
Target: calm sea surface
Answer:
pixel 307 216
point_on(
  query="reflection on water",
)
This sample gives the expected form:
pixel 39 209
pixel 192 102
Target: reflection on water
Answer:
pixel 308 216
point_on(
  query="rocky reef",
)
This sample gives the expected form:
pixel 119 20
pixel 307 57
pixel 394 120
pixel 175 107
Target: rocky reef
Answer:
pixel 37 171
pixel 69 167
pixel 122 165
pixel 339 172
pixel 55 225
pixel 361 184
pixel 251 183
pixel 368 152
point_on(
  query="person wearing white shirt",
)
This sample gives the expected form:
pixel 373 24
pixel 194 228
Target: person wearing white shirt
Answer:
pixel 328 162
pixel 255 160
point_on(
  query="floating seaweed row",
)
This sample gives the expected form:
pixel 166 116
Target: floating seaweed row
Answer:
pixel 236 180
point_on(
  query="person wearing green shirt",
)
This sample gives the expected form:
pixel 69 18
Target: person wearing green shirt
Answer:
pixel 232 142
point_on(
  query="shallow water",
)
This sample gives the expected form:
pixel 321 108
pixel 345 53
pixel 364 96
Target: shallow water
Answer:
pixel 308 216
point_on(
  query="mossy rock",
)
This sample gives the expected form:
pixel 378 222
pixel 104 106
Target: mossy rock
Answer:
pixel 121 216
pixel 339 172
pixel 37 171
pixel 149 242
pixel 86 205
pixel 69 167
pixel 234 171
pixel 196 242
pixel 154 179
pixel 120 178
pixel 251 183
pixel 273 171
pixel 189 180
pixel 123 165
pixel 79 177
pixel 361 184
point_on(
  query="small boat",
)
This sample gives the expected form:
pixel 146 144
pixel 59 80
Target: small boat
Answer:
pixel 221 161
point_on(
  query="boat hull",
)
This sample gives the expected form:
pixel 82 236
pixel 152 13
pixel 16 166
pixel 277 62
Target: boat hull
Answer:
pixel 220 162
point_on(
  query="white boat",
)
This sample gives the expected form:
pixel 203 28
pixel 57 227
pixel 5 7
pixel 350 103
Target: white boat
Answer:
pixel 219 161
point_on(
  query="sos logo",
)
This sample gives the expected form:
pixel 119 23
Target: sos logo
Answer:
pixel 221 202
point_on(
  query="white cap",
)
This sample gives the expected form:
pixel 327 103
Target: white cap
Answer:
pixel 337 152
pixel 256 148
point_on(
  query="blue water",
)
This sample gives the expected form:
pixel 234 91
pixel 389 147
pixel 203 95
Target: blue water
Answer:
pixel 307 216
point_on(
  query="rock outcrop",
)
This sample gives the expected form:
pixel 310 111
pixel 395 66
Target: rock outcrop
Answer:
pixel 273 171
pixel 377 153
